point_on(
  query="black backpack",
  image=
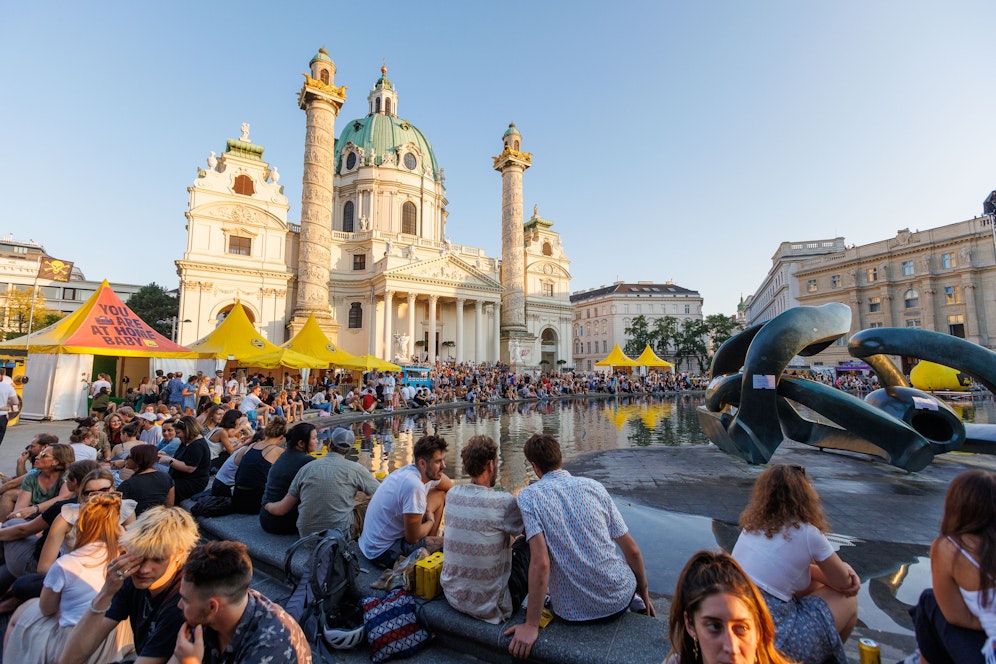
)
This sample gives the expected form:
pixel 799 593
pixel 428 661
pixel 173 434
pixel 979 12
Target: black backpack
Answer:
pixel 326 594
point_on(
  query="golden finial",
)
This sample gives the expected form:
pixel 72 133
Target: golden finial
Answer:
pixel 323 51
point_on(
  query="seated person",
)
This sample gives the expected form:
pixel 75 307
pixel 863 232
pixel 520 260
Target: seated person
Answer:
pixel 148 486
pixel 368 400
pixel 253 468
pixel 405 512
pixel 421 399
pixel 142 585
pixel 222 614
pixel 10 488
pixel 302 440
pixel 573 552
pixel 484 574
pixel 326 489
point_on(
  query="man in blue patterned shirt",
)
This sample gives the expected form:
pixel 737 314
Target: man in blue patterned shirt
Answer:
pixel 573 528
pixel 226 622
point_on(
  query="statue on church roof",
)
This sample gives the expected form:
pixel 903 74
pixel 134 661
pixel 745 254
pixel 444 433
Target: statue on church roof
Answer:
pixel 212 160
pixel 274 175
pixel 245 133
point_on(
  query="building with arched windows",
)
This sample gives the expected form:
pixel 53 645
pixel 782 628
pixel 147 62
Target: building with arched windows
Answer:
pixel 372 258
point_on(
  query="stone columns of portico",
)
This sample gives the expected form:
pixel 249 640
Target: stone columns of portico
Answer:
pixel 459 328
pixel 388 324
pixel 478 331
pixel 411 325
pixel 971 324
pixel 372 337
pixel 497 332
pixel 433 300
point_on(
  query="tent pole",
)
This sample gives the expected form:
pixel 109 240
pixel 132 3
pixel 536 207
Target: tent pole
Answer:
pixel 34 297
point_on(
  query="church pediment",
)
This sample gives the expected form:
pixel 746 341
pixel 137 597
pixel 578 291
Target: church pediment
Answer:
pixel 242 215
pixel 444 270
pixel 548 268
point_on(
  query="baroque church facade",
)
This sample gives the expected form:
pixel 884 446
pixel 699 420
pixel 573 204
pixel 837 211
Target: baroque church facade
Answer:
pixel 371 258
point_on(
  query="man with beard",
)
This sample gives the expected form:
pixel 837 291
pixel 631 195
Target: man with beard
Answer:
pixel 485 574
pixel 143 586
pixel 225 620
pixel 405 512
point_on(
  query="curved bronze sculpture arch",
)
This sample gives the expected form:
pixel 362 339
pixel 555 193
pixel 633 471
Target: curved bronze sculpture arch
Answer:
pixel 749 413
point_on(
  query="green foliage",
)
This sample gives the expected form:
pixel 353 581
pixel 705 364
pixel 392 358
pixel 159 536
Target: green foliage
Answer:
pixel 639 335
pixel 19 305
pixel 679 340
pixel 691 343
pixel 152 303
pixel 721 328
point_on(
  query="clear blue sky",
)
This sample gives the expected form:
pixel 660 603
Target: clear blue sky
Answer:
pixel 670 140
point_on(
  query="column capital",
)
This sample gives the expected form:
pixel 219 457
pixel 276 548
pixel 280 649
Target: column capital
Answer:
pixel 389 294
pixel 412 297
pixel 433 299
pixel 479 304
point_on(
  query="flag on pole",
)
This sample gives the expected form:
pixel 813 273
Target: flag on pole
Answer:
pixel 54 269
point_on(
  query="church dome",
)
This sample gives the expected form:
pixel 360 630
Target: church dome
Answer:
pixel 321 56
pixel 383 135
pixel 511 131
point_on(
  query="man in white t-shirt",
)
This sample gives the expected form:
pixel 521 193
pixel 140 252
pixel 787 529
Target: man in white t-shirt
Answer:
pixel 389 383
pixel 253 406
pixel 405 513
pixel 9 402
pixel 151 432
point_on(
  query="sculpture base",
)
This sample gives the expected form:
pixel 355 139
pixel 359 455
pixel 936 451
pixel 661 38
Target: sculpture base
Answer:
pixel 517 346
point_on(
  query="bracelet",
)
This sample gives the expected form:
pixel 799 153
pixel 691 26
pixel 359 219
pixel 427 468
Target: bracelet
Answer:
pixel 92 609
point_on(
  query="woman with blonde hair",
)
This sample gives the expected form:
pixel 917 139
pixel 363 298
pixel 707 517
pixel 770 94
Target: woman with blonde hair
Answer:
pixel 955 620
pixel 39 629
pixel 811 593
pixel 718 615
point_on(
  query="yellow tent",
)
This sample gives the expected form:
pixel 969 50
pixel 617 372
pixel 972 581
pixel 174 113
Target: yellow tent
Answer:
pixel 238 340
pixel 104 325
pixel 370 363
pixel 648 358
pixel 617 359
pixel 312 341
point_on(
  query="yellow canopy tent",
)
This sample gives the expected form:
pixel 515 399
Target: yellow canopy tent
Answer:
pixel 371 363
pixel 237 339
pixel 617 358
pixel 648 358
pixel 312 341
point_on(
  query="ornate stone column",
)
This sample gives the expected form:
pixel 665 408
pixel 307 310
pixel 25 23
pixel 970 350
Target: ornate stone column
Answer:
pixel 497 332
pixel 411 324
pixel 321 102
pixel 388 325
pixel 431 346
pixel 459 328
pixel 478 331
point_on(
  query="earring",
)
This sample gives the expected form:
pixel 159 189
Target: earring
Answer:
pixel 695 649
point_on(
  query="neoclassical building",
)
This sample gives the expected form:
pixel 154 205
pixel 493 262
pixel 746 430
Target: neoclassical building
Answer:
pixel 372 258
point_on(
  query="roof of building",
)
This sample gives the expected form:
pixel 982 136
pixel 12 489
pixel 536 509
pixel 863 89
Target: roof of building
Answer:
pixel 511 131
pixel 382 134
pixel 321 56
pixel 639 288
pixel 383 83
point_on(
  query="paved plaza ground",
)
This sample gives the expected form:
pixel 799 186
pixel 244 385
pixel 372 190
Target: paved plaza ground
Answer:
pixel 680 499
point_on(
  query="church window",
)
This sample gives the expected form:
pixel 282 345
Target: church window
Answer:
pixel 241 246
pixel 243 185
pixel 515 145
pixel 408 217
pixel 410 161
pixel 359 261
pixel 387 105
pixel 347 216
pixel 547 249
pixel 355 316
pixel 377 105
pixel 350 161
pixel 324 76
pixel 548 290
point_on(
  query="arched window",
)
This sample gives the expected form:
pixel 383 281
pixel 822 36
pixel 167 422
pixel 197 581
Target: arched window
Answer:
pixel 547 249
pixel 387 105
pixel 515 145
pixel 243 185
pixel 408 215
pixel 347 217
pixel 355 316
pixel 911 298
pixel 377 105
pixel 324 76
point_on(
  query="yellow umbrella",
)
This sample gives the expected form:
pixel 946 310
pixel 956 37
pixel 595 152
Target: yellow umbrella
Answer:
pixel 283 357
pixel 370 363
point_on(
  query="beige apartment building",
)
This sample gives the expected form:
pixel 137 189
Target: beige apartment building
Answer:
pixel 601 315
pixel 941 279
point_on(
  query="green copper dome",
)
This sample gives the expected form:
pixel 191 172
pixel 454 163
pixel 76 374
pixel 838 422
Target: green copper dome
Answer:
pixel 382 134
pixel 383 83
pixel 321 56
pixel 511 131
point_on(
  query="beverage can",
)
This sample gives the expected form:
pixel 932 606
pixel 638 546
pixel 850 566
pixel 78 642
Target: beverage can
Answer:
pixel 869 652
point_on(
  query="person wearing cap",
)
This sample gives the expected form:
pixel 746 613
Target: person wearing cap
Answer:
pixel 326 489
pixel 152 433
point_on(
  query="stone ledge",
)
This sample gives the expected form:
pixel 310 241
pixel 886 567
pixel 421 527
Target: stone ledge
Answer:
pixel 632 638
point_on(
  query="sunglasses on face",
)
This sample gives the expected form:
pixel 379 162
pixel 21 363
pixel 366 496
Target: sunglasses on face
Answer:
pixel 44 455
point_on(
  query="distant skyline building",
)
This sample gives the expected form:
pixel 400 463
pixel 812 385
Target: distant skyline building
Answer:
pixel 601 315
pixel 941 279
pixel 372 258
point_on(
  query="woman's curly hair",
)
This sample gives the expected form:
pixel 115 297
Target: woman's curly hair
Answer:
pixel 782 496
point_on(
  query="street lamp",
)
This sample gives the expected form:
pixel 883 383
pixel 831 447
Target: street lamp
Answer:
pixel 173 321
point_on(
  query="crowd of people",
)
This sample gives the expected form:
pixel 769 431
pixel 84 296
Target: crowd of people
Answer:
pixel 100 561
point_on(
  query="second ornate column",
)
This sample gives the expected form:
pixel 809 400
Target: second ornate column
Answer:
pixel 459 329
pixel 433 299
pixel 388 325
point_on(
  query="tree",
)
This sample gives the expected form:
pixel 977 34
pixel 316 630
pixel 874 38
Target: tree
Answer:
pixel 639 336
pixel 691 342
pixel 665 336
pixel 721 328
pixel 152 303
pixel 19 306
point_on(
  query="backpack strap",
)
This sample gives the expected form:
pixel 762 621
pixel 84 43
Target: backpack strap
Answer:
pixel 289 556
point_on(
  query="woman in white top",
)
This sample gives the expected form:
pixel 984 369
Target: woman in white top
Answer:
pixel 39 629
pixel 810 591
pixel 956 620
